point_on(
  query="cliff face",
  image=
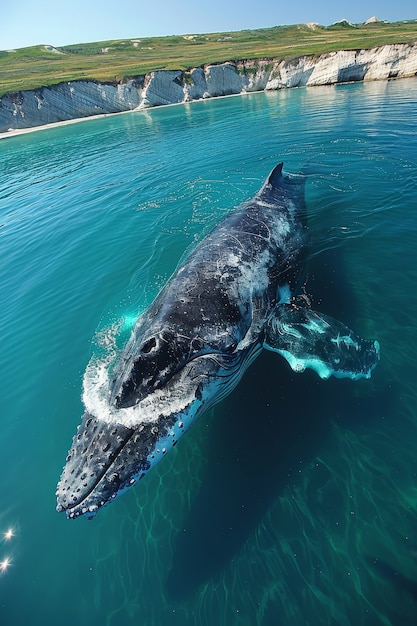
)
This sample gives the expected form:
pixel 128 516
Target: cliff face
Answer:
pixel 75 99
pixel 67 101
pixel 393 61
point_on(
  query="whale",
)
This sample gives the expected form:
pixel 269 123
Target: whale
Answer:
pixel 239 292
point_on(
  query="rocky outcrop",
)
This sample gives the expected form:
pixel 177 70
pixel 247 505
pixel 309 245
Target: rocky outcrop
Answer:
pixel 76 99
pixel 392 61
pixel 162 87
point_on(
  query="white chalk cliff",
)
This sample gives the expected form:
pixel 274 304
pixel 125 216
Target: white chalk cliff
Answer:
pixel 71 100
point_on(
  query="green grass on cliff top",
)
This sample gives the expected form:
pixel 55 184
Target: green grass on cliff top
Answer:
pixel 114 61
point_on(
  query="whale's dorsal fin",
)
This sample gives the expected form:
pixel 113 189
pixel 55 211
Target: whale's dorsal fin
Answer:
pixel 276 175
pixel 308 339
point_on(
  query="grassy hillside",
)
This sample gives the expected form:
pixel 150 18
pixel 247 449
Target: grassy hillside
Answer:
pixel 27 68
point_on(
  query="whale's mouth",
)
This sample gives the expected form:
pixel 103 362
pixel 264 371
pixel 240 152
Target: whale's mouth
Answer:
pixel 107 457
pixel 104 460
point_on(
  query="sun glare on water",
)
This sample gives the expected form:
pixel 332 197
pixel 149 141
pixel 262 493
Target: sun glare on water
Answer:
pixel 6 561
pixel 4 564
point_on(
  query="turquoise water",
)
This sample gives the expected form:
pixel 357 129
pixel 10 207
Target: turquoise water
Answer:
pixel 293 502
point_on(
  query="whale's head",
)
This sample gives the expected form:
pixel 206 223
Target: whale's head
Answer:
pixel 105 458
pixel 151 359
pixel 161 385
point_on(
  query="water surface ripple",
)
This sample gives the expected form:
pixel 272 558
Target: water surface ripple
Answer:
pixel 293 502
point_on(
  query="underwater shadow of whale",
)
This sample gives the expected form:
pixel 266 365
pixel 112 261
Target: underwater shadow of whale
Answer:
pixel 270 423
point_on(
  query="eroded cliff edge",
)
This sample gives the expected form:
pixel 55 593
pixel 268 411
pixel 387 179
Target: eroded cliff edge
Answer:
pixel 71 100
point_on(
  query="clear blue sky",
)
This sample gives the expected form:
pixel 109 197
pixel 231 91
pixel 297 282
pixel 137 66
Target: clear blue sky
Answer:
pixel 62 22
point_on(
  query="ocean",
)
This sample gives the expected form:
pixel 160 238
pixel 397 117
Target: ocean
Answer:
pixel 294 501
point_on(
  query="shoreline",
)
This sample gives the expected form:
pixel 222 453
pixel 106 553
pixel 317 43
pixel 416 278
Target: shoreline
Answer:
pixel 15 132
pixel 88 99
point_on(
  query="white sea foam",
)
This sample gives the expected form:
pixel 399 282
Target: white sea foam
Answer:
pixel 173 399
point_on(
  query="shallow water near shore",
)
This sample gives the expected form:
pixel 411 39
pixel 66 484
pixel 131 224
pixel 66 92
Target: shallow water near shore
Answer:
pixel 292 502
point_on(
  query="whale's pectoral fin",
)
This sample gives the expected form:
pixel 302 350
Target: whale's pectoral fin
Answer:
pixel 308 339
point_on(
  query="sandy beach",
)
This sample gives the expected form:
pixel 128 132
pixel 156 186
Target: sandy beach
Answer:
pixel 14 132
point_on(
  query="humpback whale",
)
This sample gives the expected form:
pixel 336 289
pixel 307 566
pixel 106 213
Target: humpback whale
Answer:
pixel 235 295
